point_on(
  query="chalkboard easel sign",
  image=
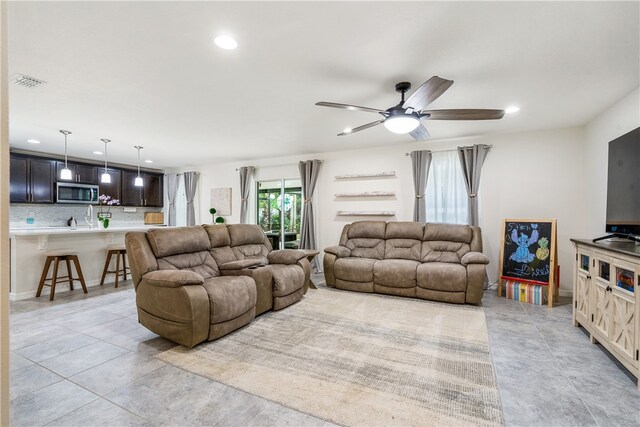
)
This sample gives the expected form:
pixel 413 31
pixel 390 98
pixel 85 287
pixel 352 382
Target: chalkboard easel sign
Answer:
pixel 529 253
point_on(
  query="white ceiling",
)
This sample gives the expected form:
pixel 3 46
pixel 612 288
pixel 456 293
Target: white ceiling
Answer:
pixel 149 74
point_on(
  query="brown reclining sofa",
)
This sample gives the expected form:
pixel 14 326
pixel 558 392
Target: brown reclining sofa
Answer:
pixel 202 282
pixel 441 262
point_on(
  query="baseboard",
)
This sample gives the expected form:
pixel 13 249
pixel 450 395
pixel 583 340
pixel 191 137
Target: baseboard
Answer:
pixel 63 288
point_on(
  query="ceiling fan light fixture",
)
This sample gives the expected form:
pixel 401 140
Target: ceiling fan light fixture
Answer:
pixel 226 42
pixel 401 123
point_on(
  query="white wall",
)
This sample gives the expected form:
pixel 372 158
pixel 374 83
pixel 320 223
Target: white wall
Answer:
pixel 620 118
pixel 526 175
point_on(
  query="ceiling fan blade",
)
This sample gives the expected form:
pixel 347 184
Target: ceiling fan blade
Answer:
pixel 420 133
pixel 464 114
pixel 363 127
pixel 428 92
pixel 348 107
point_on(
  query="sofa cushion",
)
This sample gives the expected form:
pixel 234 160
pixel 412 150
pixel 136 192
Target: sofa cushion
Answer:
pixel 218 235
pixel 395 273
pixel 442 276
pixel 365 239
pixel 447 232
pixel 251 251
pixel 366 248
pixel 403 249
pixel 199 262
pixel 446 242
pixel 180 240
pixel 286 278
pixel 247 234
pixel 230 297
pixel 354 269
pixel 404 230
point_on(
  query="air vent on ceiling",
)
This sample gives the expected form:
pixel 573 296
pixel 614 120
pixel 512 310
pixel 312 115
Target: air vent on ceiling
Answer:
pixel 26 81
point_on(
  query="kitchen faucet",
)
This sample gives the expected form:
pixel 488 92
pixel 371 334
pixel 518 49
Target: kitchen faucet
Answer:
pixel 88 217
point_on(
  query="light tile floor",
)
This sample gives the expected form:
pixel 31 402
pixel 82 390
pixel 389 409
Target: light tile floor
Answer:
pixel 85 360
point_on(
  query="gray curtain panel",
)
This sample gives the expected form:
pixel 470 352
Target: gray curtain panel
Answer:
pixel 172 192
pixel 309 176
pixel 246 172
pixel 471 160
pixel 190 186
pixel 420 164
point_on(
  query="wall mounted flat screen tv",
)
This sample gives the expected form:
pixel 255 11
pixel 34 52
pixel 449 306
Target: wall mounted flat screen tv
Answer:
pixel 623 184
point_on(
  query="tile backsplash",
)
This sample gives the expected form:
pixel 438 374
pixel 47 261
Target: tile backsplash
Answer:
pixel 57 215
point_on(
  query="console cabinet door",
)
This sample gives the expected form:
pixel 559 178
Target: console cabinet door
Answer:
pixel 623 325
pixel 19 191
pixel 582 293
pixel 600 309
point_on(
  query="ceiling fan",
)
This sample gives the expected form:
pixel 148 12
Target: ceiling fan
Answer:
pixel 405 117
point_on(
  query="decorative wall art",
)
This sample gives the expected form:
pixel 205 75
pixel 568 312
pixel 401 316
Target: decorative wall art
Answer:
pixel 221 200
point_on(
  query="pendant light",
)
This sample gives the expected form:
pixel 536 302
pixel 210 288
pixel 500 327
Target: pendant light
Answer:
pixel 66 172
pixel 138 181
pixel 105 178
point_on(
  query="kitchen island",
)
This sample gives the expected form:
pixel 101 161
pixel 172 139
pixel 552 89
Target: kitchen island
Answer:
pixel 29 245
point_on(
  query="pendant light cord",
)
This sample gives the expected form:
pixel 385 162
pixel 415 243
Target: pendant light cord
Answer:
pixel 138 147
pixel 105 153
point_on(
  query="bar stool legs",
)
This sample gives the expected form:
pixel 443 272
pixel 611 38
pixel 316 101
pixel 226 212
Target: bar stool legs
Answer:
pixel 119 252
pixel 55 257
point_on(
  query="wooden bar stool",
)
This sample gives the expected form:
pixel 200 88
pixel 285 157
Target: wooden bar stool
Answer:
pixel 66 255
pixel 120 252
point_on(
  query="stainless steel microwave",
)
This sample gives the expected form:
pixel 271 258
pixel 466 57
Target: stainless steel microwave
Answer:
pixel 69 192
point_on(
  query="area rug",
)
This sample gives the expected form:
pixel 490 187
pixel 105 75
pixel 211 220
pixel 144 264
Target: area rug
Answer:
pixel 360 359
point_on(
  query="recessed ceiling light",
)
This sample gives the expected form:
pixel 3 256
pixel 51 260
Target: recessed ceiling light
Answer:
pixel 98 153
pixel 33 141
pixel 512 109
pixel 225 42
pixel 148 161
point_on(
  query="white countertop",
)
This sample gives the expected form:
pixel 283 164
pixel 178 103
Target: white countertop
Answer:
pixel 45 231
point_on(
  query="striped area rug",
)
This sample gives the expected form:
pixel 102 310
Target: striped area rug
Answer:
pixel 360 359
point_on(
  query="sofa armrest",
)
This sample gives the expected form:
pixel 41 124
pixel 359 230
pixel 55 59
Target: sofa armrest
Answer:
pixel 172 278
pixel 474 258
pixel 338 251
pixel 285 256
pixel 240 264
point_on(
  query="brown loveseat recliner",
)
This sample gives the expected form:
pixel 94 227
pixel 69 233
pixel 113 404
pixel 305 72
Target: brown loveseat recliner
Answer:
pixel 200 283
pixel 442 262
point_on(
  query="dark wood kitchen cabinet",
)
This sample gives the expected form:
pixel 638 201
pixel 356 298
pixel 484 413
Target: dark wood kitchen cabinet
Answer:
pixel 85 174
pixel 149 195
pixel 112 189
pixel 31 180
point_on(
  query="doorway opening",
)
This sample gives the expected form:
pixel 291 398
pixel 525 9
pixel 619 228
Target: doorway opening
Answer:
pixel 279 211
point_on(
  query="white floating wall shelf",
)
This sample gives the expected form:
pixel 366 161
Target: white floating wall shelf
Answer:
pixel 368 194
pixel 366 213
pixel 367 175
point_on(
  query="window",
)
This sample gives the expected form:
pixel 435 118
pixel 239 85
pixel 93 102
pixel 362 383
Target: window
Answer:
pixel 446 191
pixel 273 199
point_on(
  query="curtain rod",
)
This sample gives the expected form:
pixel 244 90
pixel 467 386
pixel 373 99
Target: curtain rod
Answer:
pixel 282 164
pixel 448 149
